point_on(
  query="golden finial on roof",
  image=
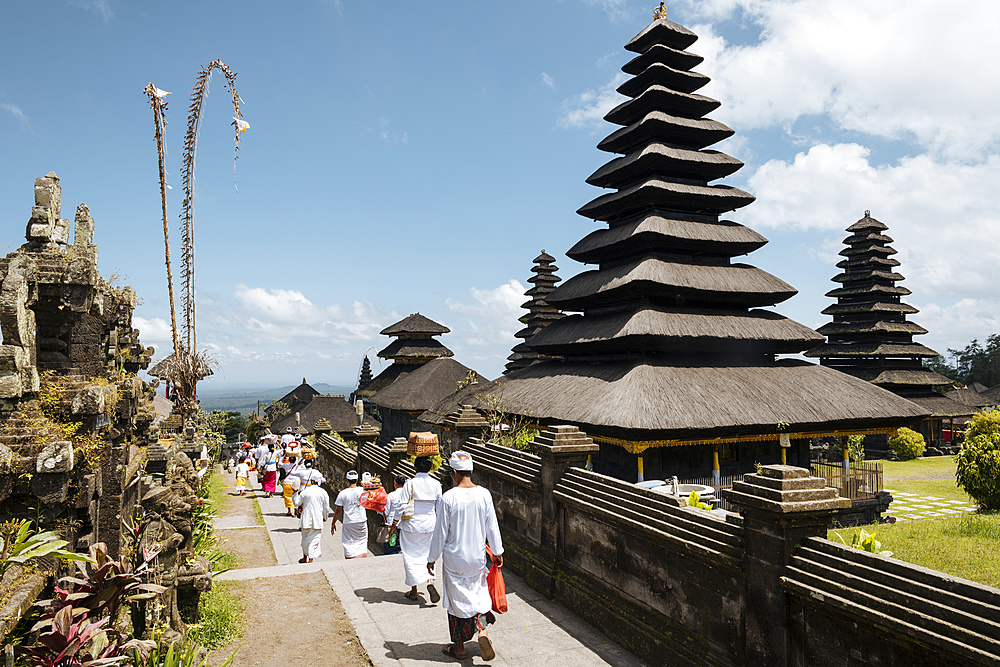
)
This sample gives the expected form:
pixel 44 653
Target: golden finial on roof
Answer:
pixel 660 12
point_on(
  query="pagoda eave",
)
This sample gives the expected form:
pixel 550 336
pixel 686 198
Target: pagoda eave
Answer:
pixel 664 161
pixel 667 196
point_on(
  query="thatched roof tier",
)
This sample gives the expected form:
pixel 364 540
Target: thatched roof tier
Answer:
pixel 869 274
pixel 968 397
pixel 415 324
pixel 876 307
pixel 866 262
pixel 867 239
pixel 415 348
pixel 422 388
pixel 884 377
pixel 651 329
pixel 838 328
pixel 660 98
pixel 871 349
pixel 654 193
pixel 467 395
pixel 390 374
pixel 871 288
pixel 735 284
pixel 335 409
pixel 664 32
pixel 668 128
pixel 644 400
pixel 867 250
pixel 666 161
pixel 942 407
pixel 661 53
pixel 866 223
pixel 654 230
pixel 540 312
pixel 662 74
pixel 992 395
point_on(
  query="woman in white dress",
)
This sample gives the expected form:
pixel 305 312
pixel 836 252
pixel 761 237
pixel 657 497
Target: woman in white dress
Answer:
pixel 416 530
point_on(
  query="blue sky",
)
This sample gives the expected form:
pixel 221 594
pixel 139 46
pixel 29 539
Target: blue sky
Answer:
pixel 408 157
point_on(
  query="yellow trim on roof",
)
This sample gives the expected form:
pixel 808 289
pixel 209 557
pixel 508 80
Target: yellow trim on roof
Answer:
pixel 639 446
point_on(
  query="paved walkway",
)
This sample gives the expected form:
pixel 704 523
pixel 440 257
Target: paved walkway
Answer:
pixel 396 631
pixel 907 506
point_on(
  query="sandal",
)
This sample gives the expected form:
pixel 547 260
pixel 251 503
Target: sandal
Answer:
pixel 450 650
pixel 415 598
pixel 433 593
pixel 486 650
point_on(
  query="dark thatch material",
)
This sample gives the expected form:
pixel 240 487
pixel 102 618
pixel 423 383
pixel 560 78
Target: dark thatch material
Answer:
pixel 422 388
pixel 164 368
pixel 884 377
pixel 467 395
pixel 390 374
pixel 870 307
pixel 872 350
pixel 739 284
pixel 415 324
pixel 942 407
pixel 334 409
pixel 412 348
pixel 991 395
pixel 659 97
pixel 969 398
pixel 672 234
pixel 661 74
pixel 654 192
pixel 684 163
pixel 840 328
pixel 540 313
pixel 653 401
pixel 673 330
pixel 662 32
pixel 661 53
pixel 657 125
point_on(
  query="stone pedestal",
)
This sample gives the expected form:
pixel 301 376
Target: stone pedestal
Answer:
pixel 464 423
pixel 781 506
pixel 397 452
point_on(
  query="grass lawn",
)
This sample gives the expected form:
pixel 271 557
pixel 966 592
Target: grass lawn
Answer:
pixel 934 467
pixel 964 546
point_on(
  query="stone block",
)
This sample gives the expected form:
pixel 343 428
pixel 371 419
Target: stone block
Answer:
pixel 10 385
pixel 50 488
pixel 13 358
pixel 17 321
pixel 92 400
pixel 48 193
pixel 83 228
pixel 60 231
pixel 55 457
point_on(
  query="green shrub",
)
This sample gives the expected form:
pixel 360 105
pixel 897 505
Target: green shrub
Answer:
pixel 979 460
pixel 907 443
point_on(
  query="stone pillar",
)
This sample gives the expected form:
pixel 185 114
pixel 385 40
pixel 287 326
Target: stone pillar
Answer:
pixel 560 448
pixel 464 423
pixel 322 427
pixel 781 506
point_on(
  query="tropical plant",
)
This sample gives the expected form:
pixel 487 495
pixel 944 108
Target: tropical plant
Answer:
pixel 20 545
pixel 978 471
pixel 177 654
pixel 694 500
pixel 856 447
pixel 71 639
pixel 907 443
pixel 506 423
pixel 865 541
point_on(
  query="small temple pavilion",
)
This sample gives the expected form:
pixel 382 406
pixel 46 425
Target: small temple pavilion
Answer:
pixel 540 314
pixel 870 336
pixel 414 345
pixel 670 358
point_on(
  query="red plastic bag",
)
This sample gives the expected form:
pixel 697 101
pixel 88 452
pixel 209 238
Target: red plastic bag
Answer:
pixel 374 499
pixel 494 580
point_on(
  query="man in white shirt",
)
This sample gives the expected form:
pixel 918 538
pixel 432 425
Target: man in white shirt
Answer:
pixel 348 503
pixel 466 521
pixel 392 513
pixel 315 503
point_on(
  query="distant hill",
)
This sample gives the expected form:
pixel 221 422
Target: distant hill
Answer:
pixel 245 400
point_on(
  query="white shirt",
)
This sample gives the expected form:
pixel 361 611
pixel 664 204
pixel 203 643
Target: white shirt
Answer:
pixel 425 491
pixel 308 475
pixel 315 504
pixel 287 438
pixel 466 519
pixel 393 508
pixel 243 469
pixel 350 500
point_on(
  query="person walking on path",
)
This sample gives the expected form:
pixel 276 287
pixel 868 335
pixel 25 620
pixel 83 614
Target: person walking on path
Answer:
pixel 392 513
pixel 355 534
pixel 289 482
pixel 416 530
pixel 466 521
pixel 270 468
pixel 242 472
pixel 315 504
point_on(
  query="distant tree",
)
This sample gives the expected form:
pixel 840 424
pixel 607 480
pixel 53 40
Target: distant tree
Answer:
pixel 973 363
pixel 228 423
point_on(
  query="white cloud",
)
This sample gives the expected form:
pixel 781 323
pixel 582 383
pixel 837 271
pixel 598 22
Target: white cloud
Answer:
pixel 942 215
pixel 587 110
pixel 16 111
pixel 895 72
pixel 485 335
pixel 548 81
pixel 617 10
pixel 955 325
pixel 387 134
pixel 100 7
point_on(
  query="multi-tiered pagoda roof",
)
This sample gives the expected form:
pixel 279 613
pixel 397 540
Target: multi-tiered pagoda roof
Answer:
pixel 540 314
pixel 870 336
pixel 671 342
pixel 414 345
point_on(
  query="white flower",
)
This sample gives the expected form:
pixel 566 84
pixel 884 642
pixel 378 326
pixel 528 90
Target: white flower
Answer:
pixel 160 93
pixel 241 125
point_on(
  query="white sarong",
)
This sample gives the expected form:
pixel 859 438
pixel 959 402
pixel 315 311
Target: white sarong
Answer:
pixel 310 542
pixel 465 597
pixel 416 547
pixel 354 537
